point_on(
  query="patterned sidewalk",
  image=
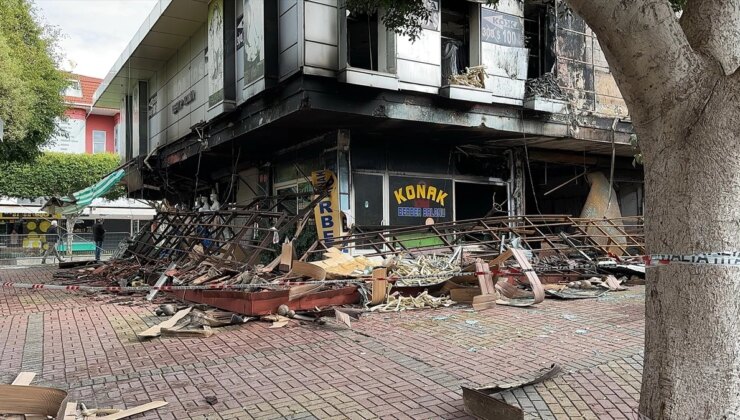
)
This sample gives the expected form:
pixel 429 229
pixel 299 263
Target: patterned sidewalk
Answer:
pixel 407 365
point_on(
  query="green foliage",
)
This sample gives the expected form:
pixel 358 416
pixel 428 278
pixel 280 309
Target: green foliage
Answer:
pixel 404 17
pixel 30 83
pixel 678 4
pixel 57 174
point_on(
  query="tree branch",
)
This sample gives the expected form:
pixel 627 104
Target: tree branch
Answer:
pixel 646 49
pixel 713 27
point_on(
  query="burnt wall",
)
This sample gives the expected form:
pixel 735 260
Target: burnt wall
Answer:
pixel 582 69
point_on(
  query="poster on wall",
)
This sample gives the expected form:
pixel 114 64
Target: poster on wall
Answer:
pixel 254 41
pixel 70 137
pixel 418 201
pixel 433 21
pixel 215 61
pixel 501 28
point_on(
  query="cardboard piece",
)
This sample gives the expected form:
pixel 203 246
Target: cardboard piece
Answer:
pixel 23 399
pixel 156 330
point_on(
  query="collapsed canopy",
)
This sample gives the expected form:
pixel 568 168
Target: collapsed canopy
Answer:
pixel 75 203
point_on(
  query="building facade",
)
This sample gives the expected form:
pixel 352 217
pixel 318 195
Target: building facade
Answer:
pixel 248 97
pixel 86 128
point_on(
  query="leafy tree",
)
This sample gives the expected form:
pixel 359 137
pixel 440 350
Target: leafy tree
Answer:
pixel 57 174
pixel 30 83
pixel 680 79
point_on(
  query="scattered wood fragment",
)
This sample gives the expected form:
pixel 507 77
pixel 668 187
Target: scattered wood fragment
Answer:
pixel 135 410
pixel 380 286
pixel 311 270
pixel 156 330
pixel 343 318
pixel 24 378
pixel 396 302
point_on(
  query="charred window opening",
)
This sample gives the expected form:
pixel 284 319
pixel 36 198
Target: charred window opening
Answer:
pixel 455 21
pixel 538 37
pixel 362 41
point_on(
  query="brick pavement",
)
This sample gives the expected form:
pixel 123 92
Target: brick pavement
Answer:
pixel 407 365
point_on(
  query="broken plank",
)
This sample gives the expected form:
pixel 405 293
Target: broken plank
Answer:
pixel 156 330
pixel 380 286
pixel 24 378
pixel 136 410
pixel 302 268
pixel 70 411
pixel 286 257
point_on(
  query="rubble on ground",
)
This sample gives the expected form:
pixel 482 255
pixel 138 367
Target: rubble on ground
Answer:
pixel 240 260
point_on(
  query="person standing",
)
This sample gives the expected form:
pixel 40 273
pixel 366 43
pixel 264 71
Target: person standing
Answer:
pixel 98 237
pixel 52 237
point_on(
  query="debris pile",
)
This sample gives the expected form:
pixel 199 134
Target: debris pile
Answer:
pixel 545 86
pixel 396 302
pixel 473 76
pixel 240 260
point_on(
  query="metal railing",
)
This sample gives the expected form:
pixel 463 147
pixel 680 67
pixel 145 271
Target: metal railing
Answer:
pixel 29 249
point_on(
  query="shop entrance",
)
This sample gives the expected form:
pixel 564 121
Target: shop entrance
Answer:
pixel 368 199
pixel 477 200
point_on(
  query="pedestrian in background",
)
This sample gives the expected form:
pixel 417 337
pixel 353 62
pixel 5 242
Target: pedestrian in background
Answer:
pixel 52 237
pixel 98 237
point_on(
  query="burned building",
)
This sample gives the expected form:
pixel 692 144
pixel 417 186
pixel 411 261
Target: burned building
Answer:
pixel 494 110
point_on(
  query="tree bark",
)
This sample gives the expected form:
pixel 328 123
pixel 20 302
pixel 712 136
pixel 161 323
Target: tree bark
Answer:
pixel 685 111
pixel 713 27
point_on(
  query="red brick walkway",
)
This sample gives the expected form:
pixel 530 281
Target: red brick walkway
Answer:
pixel 406 365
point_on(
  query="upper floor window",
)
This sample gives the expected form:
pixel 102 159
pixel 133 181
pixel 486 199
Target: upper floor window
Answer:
pixel 98 141
pixel 362 40
pixel 538 38
pixel 73 89
pixel 455 38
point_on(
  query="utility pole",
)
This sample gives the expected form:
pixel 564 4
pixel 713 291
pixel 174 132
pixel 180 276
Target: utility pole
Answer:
pixel 2 126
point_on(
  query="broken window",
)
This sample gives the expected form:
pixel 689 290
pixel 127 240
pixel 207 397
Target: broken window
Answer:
pixel 455 38
pixel 362 40
pixel 538 37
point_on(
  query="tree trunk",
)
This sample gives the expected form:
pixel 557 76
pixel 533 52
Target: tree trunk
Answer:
pixel 683 92
pixel 692 325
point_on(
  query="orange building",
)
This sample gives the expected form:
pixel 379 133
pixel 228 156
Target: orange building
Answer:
pixel 86 129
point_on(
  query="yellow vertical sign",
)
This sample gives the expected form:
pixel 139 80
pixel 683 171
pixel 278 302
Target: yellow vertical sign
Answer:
pixel 327 213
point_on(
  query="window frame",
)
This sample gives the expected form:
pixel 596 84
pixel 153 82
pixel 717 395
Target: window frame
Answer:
pixel 105 139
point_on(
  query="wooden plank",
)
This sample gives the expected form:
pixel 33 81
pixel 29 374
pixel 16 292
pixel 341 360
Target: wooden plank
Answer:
pixel 136 410
pixel 464 294
pixel 313 271
pixel 483 271
pixel 380 286
pixel 70 411
pixel 156 330
pixel 24 378
pixel 286 257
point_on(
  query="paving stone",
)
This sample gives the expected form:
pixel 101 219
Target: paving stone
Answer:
pixel 395 365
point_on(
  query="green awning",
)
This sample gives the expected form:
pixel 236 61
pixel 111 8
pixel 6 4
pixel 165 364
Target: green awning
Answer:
pixel 83 198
